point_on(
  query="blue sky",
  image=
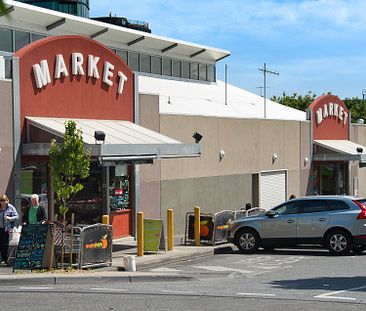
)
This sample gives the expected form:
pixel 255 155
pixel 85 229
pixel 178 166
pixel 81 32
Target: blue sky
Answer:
pixel 315 45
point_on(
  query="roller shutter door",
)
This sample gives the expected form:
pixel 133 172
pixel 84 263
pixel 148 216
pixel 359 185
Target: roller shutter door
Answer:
pixel 273 188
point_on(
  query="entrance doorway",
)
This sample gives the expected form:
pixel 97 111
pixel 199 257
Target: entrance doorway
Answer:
pixel 330 178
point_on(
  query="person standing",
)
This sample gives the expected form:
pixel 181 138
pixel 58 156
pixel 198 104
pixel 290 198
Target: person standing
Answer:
pixel 8 216
pixel 34 213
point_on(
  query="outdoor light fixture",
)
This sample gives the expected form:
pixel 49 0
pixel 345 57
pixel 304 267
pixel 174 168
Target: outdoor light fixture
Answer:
pixel 221 154
pixel 274 158
pixel 99 136
pixel 306 161
pixel 359 150
pixel 197 137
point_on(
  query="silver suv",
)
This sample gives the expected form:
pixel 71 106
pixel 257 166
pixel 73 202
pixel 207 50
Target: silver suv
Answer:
pixel 336 222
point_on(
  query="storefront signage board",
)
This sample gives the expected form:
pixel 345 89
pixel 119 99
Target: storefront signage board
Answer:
pixel 154 239
pixel 330 118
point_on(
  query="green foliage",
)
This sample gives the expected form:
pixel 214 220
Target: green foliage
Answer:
pixel 357 107
pixel 295 100
pixel 69 164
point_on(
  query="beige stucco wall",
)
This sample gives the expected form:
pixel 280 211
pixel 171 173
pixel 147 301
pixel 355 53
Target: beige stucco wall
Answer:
pixel 150 173
pixel 249 144
pixel 6 138
pixel 358 134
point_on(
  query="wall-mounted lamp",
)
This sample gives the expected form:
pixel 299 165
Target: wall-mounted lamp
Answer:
pixel 197 137
pixel 99 136
pixel 221 154
pixel 306 161
pixel 274 158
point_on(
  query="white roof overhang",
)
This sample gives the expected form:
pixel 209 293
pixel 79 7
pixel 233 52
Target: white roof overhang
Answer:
pixel 57 23
pixel 340 150
pixel 124 141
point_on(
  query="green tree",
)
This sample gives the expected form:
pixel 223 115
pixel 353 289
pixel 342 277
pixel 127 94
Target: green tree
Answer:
pixel 295 100
pixel 2 6
pixel 357 107
pixel 69 163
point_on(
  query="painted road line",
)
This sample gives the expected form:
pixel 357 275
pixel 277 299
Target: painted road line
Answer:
pixel 36 288
pixel 330 295
pixel 181 292
pixel 164 269
pixel 222 269
pixel 256 294
pixel 108 289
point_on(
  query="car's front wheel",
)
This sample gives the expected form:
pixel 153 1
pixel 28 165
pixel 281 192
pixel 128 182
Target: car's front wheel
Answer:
pixel 247 240
pixel 339 242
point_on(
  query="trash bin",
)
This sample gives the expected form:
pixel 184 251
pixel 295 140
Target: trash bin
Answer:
pixel 130 263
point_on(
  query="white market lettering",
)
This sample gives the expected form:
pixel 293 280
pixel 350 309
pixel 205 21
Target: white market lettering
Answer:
pixel 42 74
pixel 331 110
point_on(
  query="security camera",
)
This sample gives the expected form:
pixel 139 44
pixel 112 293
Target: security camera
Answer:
pixel 359 150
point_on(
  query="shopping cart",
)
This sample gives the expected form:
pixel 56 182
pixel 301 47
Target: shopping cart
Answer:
pixel 14 237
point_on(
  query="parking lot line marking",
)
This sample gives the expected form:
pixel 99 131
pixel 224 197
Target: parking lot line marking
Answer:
pixel 267 271
pixel 35 288
pixel 256 294
pixel 221 269
pixel 330 295
pixel 109 289
pixel 178 291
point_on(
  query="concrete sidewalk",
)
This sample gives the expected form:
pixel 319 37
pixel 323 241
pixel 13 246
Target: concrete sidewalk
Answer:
pixel 116 272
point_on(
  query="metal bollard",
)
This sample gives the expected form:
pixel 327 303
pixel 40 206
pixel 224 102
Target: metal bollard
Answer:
pixel 105 219
pixel 170 218
pixel 197 226
pixel 140 234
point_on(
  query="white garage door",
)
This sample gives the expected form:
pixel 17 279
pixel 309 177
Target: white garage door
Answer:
pixel 273 188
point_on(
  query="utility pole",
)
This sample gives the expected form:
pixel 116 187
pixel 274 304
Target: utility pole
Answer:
pixel 225 84
pixel 265 70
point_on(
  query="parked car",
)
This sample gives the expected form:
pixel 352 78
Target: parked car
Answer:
pixel 336 222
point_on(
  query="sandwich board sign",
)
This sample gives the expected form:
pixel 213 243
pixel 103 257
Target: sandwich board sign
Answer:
pixel 154 239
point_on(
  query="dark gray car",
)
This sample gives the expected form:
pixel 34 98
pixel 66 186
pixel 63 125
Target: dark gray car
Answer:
pixel 336 222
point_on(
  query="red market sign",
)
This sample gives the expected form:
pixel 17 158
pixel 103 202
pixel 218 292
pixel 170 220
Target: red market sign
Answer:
pixel 330 118
pixel 73 77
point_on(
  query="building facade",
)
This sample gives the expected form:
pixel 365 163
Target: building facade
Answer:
pixel 149 94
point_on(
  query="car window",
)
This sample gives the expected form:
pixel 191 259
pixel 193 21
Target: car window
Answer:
pixel 312 206
pixel 287 208
pixel 335 205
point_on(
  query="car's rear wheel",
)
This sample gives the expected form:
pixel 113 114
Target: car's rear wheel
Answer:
pixel 247 240
pixel 339 242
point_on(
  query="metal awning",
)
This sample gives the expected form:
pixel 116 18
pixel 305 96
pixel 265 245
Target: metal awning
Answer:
pixel 125 142
pixel 339 150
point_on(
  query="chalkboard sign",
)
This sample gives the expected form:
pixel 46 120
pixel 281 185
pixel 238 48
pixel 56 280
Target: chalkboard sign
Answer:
pixel 96 246
pixel 34 248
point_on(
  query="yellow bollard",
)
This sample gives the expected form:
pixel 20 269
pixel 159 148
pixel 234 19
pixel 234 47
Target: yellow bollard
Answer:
pixel 197 226
pixel 140 234
pixel 105 219
pixel 170 229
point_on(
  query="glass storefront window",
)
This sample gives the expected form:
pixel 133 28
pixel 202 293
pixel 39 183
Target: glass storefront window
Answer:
pixel 145 62
pixel 35 37
pixel 177 68
pixel 119 187
pixel 133 61
pixel 123 55
pixel 156 65
pixel 194 71
pixel 211 73
pixel 185 70
pixel 6 41
pixel 167 67
pixel 21 38
pixel 33 179
pixel 202 72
